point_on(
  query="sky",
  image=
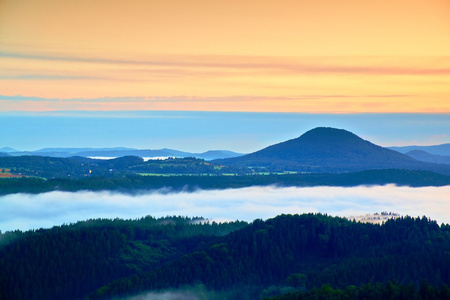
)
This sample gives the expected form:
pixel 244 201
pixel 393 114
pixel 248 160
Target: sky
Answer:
pixel 242 132
pixel 308 56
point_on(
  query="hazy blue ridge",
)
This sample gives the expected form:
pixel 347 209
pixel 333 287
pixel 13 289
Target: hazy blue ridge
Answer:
pixel 122 151
pixel 443 149
pixel 427 157
pixel 7 150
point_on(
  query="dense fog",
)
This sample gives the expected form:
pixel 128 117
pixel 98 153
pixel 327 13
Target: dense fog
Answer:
pixel 25 211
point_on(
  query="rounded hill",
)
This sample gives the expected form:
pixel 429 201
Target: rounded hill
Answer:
pixel 325 149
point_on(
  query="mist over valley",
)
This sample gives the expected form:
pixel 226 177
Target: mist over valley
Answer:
pixel 26 211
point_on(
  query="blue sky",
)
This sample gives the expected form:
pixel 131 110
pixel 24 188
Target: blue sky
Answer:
pixel 201 131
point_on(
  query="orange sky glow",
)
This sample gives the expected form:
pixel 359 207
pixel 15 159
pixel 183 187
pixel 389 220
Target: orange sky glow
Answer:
pixel 345 56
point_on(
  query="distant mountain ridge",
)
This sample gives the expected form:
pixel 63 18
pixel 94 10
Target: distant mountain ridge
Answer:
pixel 427 157
pixel 78 150
pixel 326 149
pixel 7 150
pixel 443 149
pixel 120 152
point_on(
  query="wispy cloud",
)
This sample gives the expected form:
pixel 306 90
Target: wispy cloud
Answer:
pixel 187 103
pixel 308 65
pixel 190 98
pixel 47 77
pixel 22 211
pixel 225 83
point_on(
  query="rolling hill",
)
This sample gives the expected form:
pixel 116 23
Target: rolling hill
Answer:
pixel 326 149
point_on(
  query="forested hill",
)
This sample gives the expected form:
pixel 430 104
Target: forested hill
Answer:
pixel 109 258
pixel 71 261
pixel 326 149
pixel 308 251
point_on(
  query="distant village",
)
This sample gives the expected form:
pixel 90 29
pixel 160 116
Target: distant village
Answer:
pixel 375 218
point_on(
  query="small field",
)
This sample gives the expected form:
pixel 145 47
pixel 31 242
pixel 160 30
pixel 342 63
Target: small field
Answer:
pixel 6 173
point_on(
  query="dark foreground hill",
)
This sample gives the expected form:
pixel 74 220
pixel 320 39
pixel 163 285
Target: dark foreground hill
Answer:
pixel 329 150
pixel 112 258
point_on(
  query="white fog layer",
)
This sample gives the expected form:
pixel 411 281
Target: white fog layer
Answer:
pixel 24 211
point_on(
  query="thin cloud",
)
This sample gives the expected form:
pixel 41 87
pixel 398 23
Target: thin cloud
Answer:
pixel 319 65
pixel 48 77
pixel 179 99
pixel 23 211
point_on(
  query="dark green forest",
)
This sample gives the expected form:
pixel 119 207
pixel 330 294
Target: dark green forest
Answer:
pixel 70 261
pixel 288 257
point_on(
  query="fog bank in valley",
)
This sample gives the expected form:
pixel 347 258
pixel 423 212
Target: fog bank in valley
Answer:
pixel 198 292
pixel 24 211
